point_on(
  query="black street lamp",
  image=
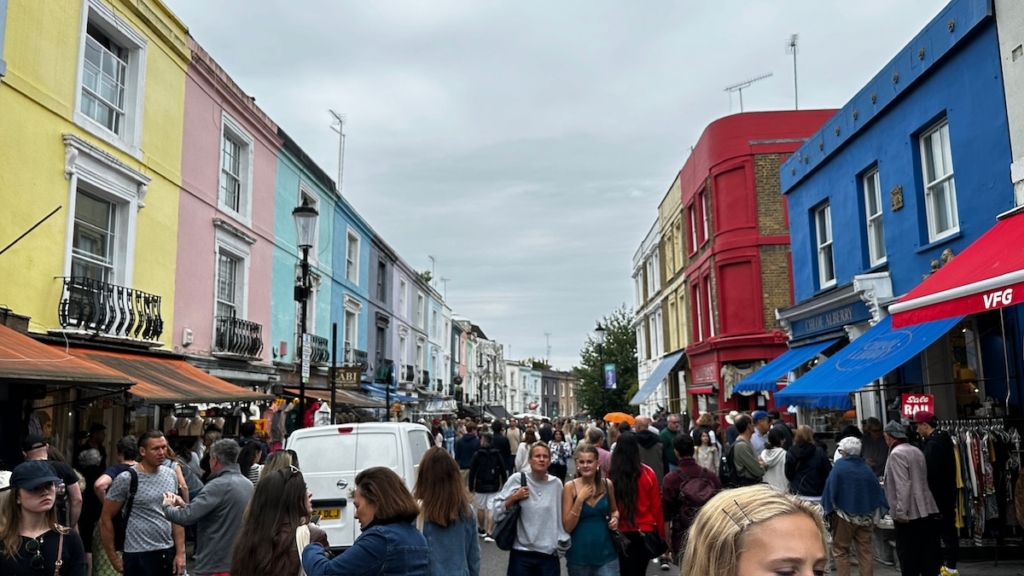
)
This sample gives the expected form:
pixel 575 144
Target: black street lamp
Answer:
pixel 599 333
pixel 305 229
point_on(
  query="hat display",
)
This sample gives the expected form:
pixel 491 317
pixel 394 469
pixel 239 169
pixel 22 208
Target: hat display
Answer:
pixel 895 429
pixel 32 442
pixel 29 475
pixel 758 415
pixel 731 416
pixel 923 416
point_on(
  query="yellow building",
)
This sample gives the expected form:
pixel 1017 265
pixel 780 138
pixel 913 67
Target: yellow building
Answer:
pixel 91 113
pixel 673 290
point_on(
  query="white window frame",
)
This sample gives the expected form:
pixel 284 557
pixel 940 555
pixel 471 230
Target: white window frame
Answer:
pixel 637 280
pixel 231 129
pixel 352 266
pixel 873 222
pixel 350 337
pixel 657 271
pixel 101 174
pixel 823 246
pixel 711 307
pixel 421 312
pixel 944 153
pixel 403 353
pixel 640 343
pixel 433 325
pixel 650 278
pixel 699 305
pixel 705 211
pixel 229 243
pixel 307 194
pixel 120 32
pixel 403 300
pixel 691 212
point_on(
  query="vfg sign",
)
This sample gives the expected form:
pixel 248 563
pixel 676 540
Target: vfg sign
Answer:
pixel 914 403
pixel 998 299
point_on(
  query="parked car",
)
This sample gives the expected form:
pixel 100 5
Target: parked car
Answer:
pixel 332 456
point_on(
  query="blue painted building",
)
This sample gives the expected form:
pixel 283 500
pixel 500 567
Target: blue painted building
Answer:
pixel 3 29
pixel 910 172
pixel 300 180
pixel 351 284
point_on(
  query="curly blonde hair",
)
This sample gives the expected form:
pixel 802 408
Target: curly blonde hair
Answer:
pixel 716 538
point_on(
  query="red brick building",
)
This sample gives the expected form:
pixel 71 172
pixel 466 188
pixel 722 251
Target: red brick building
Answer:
pixel 737 247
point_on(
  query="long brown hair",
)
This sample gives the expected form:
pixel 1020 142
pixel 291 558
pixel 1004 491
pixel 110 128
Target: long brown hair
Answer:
pixel 10 525
pixel 383 488
pixel 278 501
pixel 440 490
pixel 599 486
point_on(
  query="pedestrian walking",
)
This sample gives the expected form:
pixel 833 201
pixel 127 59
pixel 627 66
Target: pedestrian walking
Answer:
pixel 249 462
pixel 940 458
pixel 31 539
pixel 465 448
pixel 748 469
pixel 911 505
pixel 277 461
pixel 266 544
pixel 589 515
pixel 446 516
pixel 449 437
pixel 874 450
pixel 540 535
pixel 91 468
pixel 561 453
pixel 126 451
pixel 152 546
pixel 773 460
pixel 217 510
pixel 95 441
pixel 69 503
pixel 652 453
pixel 807 466
pixel 522 463
pixel 595 437
pixel 782 427
pixel 852 493
pixel 707 453
pixel 638 500
pixel 487 475
pixel 762 424
pixel 756 530
pixel 390 544
pixel 684 492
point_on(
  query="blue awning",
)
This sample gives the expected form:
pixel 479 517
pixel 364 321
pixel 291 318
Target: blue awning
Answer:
pixel 765 377
pixel 879 351
pixel 374 391
pixel 652 383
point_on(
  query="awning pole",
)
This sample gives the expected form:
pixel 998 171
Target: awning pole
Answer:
pixel 1006 360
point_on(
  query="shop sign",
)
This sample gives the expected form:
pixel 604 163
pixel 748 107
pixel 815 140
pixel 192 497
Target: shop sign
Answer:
pixel 830 320
pixel 609 376
pixel 347 377
pixel 914 403
pixel 705 373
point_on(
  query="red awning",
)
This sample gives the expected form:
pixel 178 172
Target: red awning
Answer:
pixel 701 390
pixel 22 359
pixel 988 275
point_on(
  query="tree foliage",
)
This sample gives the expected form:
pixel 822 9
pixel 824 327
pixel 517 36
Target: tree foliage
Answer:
pixel 619 348
pixel 537 363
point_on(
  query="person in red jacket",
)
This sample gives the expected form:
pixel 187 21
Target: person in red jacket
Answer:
pixel 638 500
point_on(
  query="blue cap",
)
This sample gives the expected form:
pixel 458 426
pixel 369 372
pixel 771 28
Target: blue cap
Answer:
pixel 758 415
pixel 29 475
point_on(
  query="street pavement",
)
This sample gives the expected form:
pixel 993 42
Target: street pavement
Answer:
pixel 494 562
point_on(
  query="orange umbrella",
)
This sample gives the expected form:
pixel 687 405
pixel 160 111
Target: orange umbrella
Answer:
pixel 617 417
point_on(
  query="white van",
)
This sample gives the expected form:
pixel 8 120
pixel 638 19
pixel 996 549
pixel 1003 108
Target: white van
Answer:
pixel 331 456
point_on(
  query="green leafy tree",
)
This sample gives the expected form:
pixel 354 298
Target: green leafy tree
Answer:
pixel 619 348
pixel 537 363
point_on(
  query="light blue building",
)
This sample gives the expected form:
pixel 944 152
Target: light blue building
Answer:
pixel 351 285
pixel 907 175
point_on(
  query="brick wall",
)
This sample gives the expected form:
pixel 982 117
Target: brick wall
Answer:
pixel 775 282
pixel 771 217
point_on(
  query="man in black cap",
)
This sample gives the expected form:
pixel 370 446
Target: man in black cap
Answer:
pixel 97 436
pixel 940 457
pixel 69 503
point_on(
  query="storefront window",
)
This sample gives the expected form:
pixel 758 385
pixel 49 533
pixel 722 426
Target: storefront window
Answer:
pixel 963 343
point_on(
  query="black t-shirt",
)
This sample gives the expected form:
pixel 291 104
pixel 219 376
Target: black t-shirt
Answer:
pixel 69 477
pixel 73 555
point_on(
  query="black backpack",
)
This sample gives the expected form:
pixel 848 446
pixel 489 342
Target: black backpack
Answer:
pixel 727 472
pixel 120 521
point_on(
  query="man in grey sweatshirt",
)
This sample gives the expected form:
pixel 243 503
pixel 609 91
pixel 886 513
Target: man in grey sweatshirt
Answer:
pixel 217 510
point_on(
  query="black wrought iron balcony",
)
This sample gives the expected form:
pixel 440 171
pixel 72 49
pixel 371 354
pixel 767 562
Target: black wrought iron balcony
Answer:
pixel 383 371
pixel 108 309
pixel 410 374
pixel 237 337
pixel 425 378
pixel 321 351
pixel 360 358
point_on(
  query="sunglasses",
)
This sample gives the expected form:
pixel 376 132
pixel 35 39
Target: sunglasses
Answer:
pixel 35 547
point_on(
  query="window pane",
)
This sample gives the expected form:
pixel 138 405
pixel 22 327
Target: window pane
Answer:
pixel 227 272
pixel 827 269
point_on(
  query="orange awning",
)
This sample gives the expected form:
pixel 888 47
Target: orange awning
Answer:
pixel 343 397
pixel 23 359
pixel 166 379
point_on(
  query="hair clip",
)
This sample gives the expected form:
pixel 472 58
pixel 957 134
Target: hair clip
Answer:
pixel 742 511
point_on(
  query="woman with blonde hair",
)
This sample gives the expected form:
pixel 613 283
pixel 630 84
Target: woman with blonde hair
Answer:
pixel 31 541
pixel 523 453
pixel 277 461
pixel 756 530
pixel 446 516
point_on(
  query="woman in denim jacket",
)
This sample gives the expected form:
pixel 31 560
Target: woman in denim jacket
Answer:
pixel 390 544
pixel 447 519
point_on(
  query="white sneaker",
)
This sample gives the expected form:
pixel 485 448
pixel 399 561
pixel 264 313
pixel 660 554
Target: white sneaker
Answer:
pixel 488 538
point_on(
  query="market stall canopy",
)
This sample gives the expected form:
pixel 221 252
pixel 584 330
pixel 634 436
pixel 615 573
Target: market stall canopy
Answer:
pixel 765 378
pixel 877 352
pixel 664 367
pixel 377 392
pixel 167 379
pixel 343 397
pixel 987 275
pixel 498 412
pixel 23 359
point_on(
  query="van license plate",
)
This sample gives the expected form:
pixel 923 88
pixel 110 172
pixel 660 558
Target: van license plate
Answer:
pixel 328 513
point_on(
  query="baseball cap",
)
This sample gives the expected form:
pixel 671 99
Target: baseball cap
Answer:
pixel 32 442
pixel 29 475
pixel 758 415
pixel 895 429
pixel 923 416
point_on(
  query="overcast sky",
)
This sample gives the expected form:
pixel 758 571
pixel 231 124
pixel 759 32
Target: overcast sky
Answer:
pixel 526 145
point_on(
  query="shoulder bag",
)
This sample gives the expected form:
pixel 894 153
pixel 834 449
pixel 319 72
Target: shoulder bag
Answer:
pixel 302 538
pixel 60 554
pixel 507 528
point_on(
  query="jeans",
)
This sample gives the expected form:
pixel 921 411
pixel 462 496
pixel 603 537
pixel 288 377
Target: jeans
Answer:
pixel 847 533
pixel 609 569
pixel 918 546
pixel 634 563
pixel 153 563
pixel 522 563
pixel 948 531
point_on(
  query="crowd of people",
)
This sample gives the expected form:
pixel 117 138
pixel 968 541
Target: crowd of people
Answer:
pixel 640 492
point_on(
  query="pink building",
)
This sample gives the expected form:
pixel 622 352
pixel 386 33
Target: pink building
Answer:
pixel 225 227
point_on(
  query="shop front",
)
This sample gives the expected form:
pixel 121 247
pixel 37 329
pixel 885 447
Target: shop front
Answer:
pixel 666 372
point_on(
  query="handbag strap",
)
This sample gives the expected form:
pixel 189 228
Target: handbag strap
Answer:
pixel 60 554
pixel 302 538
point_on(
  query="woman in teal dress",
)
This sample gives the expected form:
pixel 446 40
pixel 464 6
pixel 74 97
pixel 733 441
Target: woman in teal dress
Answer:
pixel 589 515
